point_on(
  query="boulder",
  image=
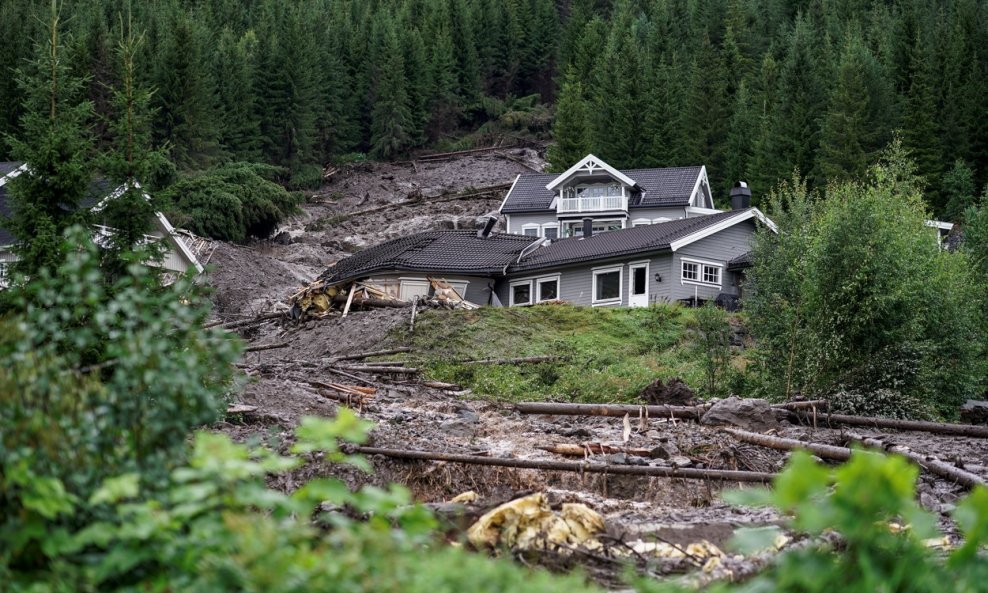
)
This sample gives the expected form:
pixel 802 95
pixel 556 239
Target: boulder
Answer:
pixel 975 412
pixel 675 393
pixel 750 414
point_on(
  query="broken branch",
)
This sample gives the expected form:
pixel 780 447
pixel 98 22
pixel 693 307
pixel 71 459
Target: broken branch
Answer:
pixel 266 347
pixel 573 466
pixel 362 355
pixel 381 369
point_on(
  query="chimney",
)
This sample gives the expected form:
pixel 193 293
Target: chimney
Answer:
pixel 488 227
pixel 587 228
pixel 740 196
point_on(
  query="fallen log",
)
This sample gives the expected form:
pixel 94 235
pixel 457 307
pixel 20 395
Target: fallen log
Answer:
pixel 345 398
pixel 575 466
pixel 417 201
pixel 930 464
pixel 519 360
pixel 820 404
pixel 441 385
pixel 683 412
pixel 244 322
pixel 583 449
pixel 363 355
pixel 354 389
pixel 266 347
pixel 933 466
pixel 436 156
pixel 240 409
pixel 380 369
pixel 964 430
pixel 819 449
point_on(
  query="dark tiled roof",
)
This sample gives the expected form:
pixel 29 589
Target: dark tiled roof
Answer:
pixel 661 187
pixel 460 252
pixel 640 239
pixel 740 262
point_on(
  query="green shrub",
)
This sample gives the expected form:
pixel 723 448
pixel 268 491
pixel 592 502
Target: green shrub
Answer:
pixel 98 381
pixel 232 202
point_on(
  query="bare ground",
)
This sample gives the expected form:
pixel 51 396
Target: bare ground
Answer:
pixel 257 278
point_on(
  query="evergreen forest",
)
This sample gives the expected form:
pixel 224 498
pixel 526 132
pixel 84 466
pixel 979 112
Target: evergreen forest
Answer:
pixel 753 89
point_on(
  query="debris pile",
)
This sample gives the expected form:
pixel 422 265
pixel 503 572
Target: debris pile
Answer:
pixel 322 299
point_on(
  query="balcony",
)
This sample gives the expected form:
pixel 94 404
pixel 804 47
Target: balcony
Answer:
pixel 592 204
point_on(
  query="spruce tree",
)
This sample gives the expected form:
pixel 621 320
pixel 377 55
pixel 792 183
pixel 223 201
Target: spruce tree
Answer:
pixel 570 131
pixel 391 118
pixel 129 162
pixel 235 67
pixel 56 144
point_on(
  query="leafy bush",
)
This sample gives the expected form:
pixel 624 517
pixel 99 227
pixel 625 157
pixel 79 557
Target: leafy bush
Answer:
pixel 712 343
pixel 885 403
pixel 232 202
pixel 854 293
pixel 97 381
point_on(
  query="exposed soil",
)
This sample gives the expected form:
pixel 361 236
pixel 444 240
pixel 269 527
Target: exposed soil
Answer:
pixel 258 278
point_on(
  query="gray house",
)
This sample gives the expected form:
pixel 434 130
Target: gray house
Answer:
pixel 554 206
pixel 178 257
pixel 696 258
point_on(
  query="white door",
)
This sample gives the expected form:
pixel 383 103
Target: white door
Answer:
pixel 638 285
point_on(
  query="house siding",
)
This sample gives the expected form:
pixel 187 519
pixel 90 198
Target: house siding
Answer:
pixel 515 222
pixel 720 248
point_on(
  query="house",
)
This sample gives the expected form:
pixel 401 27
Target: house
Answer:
pixel 555 206
pixel 178 256
pixel 694 258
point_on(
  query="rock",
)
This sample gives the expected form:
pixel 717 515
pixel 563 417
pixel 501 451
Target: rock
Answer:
pixel 457 428
pixel 616 459
pixel 468 415
pixel 283 238
pixel 680 461
pixel 975 412
pixel 575 432
pixel 750 414
pixel 676 393
pixel 636 460
pixel 665 450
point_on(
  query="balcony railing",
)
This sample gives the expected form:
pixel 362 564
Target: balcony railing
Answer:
pixel 592 204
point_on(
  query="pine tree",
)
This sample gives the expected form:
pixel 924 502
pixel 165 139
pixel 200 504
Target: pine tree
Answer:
pixel 848 134
pixel 129 162
pixel 959 190
pixel 570 131
pixel 235 70
pixel 56 144
pixel 920 134
pixel 390 117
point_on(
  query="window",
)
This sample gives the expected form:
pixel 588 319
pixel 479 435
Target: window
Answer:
pixel 661 220
pixel 607 286
pixel 550 231
pixel 530 230
pixel 521 293
pixel 548 289
pixel 641 222
pixel 575 228
pixel 701 272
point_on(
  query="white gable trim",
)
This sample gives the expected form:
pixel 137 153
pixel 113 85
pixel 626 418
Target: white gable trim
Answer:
pixel 13 174
pixel 724 224
pixel 707 198
pixel 588 164
pixel 507 195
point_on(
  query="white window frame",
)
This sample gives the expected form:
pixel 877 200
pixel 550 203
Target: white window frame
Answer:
pixel 607 270
pixel 578 224
pixel 538 287
pixel 511 293
pixel 412 282
pixel 550 225
pixel 701 266
pixel 641 222
pixel 529 226
pixel 660 220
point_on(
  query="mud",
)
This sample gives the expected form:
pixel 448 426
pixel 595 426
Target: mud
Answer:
pixel 257 278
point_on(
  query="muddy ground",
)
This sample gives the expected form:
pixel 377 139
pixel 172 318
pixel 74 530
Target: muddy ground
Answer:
pixel 257 278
